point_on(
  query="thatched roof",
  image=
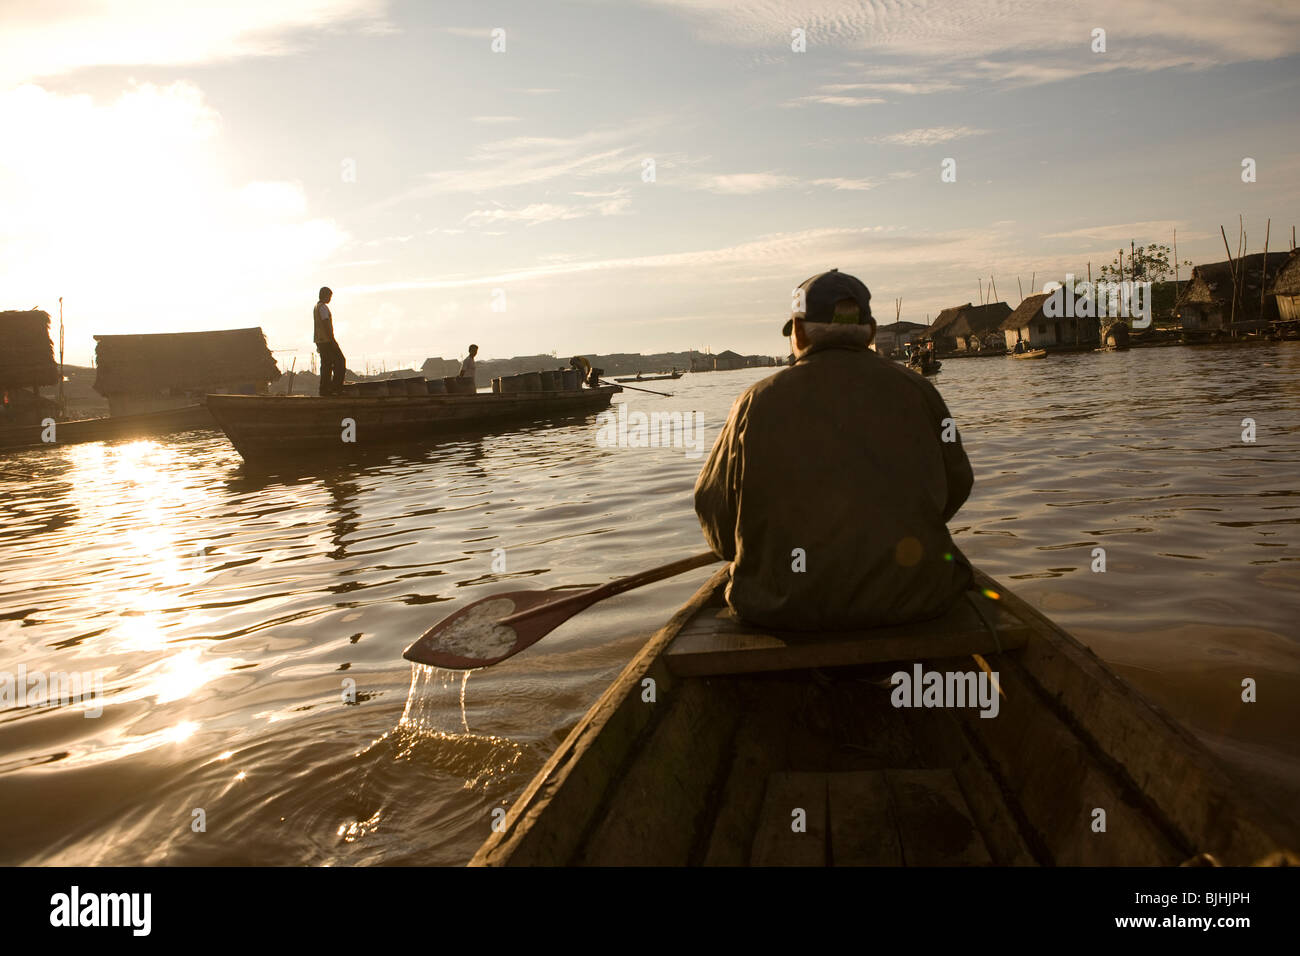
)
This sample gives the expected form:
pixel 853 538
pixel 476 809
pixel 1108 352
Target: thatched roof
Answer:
pixel 969 319
pixel 1030 310
pixel 26 354
pixel 182 361
pixel 1287 280
pixel 1211 283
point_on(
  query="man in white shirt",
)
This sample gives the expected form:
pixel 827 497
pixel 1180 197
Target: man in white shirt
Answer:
pixel 332 364
pixel 467 366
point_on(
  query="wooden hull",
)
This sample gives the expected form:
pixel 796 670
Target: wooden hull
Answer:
pixel 115 427
pixel 1036 354
pixel 280 428
pixel 741 736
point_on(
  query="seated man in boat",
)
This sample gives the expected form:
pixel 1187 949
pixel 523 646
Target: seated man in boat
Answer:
pixel 1020 347
pixel 332 364
pixel 467 366
pixel 832 482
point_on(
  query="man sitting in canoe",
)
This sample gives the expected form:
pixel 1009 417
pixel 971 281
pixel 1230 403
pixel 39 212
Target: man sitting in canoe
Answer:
pixel 832 482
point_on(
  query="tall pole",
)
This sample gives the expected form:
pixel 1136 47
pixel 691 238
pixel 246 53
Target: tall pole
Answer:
pixel 60 398
pixel 1263 270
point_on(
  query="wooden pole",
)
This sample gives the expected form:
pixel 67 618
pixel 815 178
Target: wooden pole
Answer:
pixel 1263 270
pixel 1232 269
pixel 1175 265
pixel 60 395
pixel 995 289
pixel 1121 264
pixel 981 290
pixel 1020 289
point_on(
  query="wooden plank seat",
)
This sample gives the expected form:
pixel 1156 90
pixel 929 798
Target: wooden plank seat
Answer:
pixel 717 642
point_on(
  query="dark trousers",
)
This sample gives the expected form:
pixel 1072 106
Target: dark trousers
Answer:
pixel 332 367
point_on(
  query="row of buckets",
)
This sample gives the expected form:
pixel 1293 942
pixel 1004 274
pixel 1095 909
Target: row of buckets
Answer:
pixel 560 380
pixel 411 386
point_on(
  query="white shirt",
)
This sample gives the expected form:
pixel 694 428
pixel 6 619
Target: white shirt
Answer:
pixel 467 367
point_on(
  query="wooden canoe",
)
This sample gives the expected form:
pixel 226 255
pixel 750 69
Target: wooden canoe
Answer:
pixel 747 729
pixel 82 430
pixel 1031 354
pixel 650 378
pixel 283 427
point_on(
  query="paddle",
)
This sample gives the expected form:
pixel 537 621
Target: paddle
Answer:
pixel 493 628
pixel 635 389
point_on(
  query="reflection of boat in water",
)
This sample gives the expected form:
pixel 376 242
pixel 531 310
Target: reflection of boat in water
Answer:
pixel 650 378
pixel 1031 354
pixel 927 368
pixel 745 724
pixel 143 425
pixel 271 427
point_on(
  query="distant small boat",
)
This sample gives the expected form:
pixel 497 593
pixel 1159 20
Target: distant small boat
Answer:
pixel 1035 353
pixel 81 430
pixel 930 369
pixel 650 378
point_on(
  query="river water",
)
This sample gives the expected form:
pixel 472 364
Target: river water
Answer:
pixel 247 627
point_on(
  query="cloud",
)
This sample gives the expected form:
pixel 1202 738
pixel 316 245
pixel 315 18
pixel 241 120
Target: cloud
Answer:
pixel 53 39
pixel 1159 230
pixel 849 184
pixel 1030 41
pixel 828 99
pixel 745 184
pixel 526 161
pixel 929 136
pixel 491 120
pixel 535 213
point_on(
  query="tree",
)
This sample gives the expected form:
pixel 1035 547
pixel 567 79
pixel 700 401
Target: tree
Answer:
pixel 1145 264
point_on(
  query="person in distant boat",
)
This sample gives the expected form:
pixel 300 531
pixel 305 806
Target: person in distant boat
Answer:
pixel 830 487
pixel 589 374
pixel 1020 347
pixel 332 364
pixel 467 366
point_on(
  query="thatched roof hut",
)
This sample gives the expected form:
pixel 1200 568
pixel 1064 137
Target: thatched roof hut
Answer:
pixel 26 353
pixel 1029 310
pixel 955 326
pixel 1206 301
pixel 173 362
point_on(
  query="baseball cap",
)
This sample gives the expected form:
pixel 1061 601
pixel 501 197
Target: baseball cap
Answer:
pixel 821 292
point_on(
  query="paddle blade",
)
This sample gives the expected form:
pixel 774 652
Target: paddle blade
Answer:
pixel 477 636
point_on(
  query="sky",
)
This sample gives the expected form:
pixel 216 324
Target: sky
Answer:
pixel 583 176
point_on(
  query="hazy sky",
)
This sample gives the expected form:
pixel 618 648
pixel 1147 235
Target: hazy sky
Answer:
pixel 174 166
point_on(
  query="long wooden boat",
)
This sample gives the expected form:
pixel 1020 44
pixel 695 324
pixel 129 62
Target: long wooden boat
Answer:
pixel 650 378
pixel 82 430
pixel 280 427
pixel 722 744
pixel 1031 354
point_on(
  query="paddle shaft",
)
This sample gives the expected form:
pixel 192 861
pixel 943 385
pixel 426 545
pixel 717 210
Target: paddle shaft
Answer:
pixel 635 389
pixel 585 598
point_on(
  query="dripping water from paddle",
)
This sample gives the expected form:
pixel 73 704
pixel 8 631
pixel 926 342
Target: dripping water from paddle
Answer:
pixel 499 626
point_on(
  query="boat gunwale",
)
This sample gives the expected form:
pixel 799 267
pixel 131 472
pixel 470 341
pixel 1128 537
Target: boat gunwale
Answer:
pixel 1142 730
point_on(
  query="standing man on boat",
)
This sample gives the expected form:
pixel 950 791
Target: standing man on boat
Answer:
pixel 467 366
pixel 832 482
pixel 332 364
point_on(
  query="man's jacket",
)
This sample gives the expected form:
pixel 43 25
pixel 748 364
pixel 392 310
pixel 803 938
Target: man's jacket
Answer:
pixel 830 488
